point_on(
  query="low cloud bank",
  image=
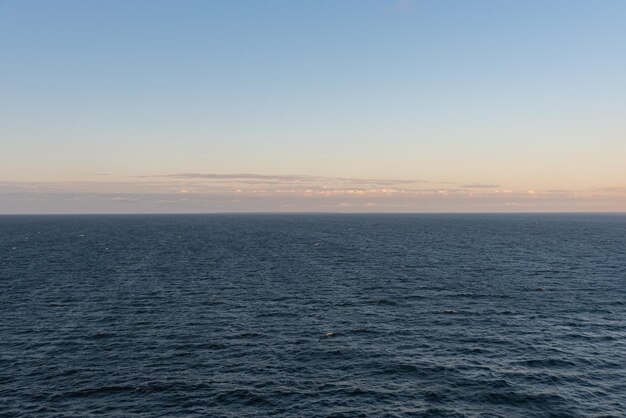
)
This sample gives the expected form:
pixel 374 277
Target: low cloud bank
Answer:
pixel 294 194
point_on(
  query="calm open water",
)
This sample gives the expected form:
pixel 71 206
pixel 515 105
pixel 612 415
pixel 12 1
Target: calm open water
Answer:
pixel 227 315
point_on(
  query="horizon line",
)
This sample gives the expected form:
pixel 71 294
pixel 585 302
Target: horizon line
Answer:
pixel 312 213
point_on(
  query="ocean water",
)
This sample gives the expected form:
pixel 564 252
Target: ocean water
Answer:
pixel 313 315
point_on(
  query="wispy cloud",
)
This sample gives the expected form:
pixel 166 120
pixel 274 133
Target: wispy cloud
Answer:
pixel 242 176
pixel 288 178
pixel 481 186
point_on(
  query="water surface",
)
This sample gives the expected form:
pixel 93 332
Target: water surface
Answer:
pixel 227 315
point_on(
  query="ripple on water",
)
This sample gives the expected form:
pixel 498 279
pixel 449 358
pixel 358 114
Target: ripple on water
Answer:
pixel 229 316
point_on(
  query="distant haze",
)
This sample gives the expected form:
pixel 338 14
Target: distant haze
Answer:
pixel 330 106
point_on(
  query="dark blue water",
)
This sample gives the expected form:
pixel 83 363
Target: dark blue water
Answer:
pixel 227 315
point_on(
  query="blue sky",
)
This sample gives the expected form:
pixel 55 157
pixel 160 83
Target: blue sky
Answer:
pixel 113 98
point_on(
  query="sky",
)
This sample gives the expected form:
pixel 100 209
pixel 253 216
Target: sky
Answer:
pixel 151 106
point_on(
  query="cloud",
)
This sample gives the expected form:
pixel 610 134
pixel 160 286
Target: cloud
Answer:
pixel 250 178
pixel 125 199
pixel 194 192
pixel 481 186
pixel 242 176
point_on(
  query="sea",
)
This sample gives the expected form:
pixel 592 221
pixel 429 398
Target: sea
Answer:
pixel 313 315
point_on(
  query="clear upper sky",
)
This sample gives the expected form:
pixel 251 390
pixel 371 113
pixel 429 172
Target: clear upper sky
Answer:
pixel 440 105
